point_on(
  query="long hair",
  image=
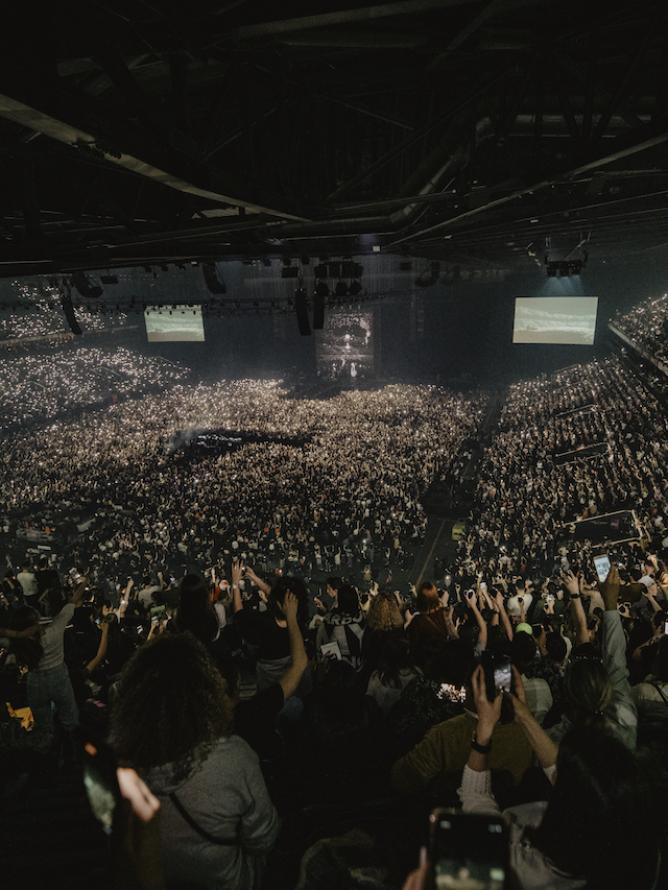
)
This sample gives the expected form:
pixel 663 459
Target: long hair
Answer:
pixel 348 601
pixel 384 613
pixel 603 821
pixel 28 651
pixel 277 596
pixel 427 599
pixel 171 707
pixel 587 692
pixel 196 612
pixel 394 657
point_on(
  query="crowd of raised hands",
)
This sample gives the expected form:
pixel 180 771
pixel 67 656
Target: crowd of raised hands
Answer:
pixel 225 687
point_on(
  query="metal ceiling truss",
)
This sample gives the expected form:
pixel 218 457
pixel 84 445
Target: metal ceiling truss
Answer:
pixel 223 134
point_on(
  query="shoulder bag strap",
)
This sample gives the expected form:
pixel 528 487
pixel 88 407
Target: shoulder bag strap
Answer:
pixel 661 692
pixel 222 842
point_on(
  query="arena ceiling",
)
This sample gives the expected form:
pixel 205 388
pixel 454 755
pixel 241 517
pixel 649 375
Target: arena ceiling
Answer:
pixel 137 131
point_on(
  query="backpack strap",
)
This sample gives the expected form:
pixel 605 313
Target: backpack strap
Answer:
pixel 212 839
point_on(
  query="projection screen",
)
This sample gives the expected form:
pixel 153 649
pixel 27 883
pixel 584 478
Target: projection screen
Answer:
pixel 345 348
pixel 563 320
pixel 181 324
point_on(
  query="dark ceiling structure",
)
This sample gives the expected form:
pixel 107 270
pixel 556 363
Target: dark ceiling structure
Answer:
pixel 137 131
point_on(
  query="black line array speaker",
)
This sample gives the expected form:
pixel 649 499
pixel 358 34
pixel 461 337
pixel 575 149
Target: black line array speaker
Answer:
pixel 85 286
pixel 213 282
pixel 68 309
pixel 318 310
pixel 301 310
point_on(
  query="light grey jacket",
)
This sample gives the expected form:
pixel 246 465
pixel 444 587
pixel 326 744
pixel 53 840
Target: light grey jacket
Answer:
pixel 621 715
pixel 227 797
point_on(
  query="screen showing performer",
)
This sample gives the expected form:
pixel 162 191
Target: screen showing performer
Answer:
pixel 345 348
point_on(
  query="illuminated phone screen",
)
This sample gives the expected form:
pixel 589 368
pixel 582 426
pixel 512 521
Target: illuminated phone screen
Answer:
pixel 469 852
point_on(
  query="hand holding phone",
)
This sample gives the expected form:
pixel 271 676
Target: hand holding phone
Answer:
pixel 467 850
pixel 603 565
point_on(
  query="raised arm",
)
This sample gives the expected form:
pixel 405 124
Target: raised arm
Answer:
pixel 543 747
pixel 452 628
pixel 261 585
pixel 101 653
pixel 78 592
pixel 651 593
pixel 476 788
pixel 292 677
pixel 237 571
pixel 477 614
pixel 572 585
pixel 623 706
pixel 503 615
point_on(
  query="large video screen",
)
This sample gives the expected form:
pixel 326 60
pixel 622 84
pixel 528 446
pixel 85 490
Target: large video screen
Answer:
pixel 564 320
pixel 345 346
pixel 174 324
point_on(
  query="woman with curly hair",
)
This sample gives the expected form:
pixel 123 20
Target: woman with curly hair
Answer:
pixel 172 722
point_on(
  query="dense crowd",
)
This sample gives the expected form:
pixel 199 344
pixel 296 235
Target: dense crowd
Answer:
pixel 646 325
pixel 533 484
pixel 44 383
pixel 33 310
pixel 348 496
pixel 277 730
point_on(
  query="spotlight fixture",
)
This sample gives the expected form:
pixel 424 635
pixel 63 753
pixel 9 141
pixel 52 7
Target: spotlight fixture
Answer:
pixel 341 289
pixel 563 268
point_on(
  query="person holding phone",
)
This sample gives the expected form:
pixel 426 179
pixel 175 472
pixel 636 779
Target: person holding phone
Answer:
pixel 442 753
pixel 597 691
pixel 604 803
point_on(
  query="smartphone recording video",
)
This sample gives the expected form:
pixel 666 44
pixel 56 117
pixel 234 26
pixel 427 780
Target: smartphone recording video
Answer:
pixel 101 783
pixel 503 675
pixel 467 851
pixel 602 564
pixel 498 674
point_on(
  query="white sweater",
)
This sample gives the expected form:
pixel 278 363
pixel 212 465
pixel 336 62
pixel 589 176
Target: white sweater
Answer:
pixel 532 870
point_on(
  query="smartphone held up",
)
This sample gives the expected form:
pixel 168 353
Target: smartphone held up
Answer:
pixel 602 564
pixel 467 851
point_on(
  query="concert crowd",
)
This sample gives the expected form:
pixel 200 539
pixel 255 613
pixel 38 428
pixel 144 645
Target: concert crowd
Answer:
pixel 228 631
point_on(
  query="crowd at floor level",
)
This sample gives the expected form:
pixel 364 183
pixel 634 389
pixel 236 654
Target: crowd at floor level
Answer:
pixel 291 739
